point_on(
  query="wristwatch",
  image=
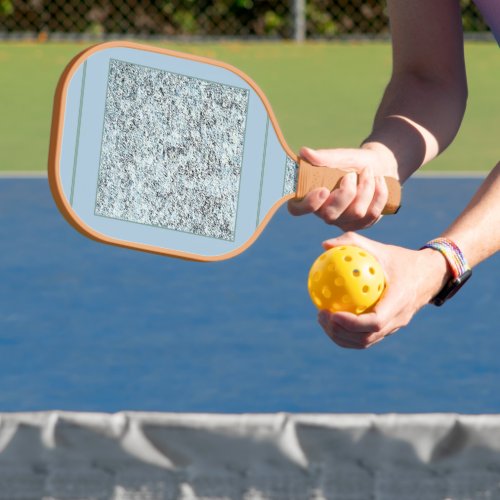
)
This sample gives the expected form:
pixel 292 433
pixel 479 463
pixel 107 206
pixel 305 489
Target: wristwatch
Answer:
pixel 460 270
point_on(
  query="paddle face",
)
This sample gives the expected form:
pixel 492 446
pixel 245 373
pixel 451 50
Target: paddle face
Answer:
pixel 166 152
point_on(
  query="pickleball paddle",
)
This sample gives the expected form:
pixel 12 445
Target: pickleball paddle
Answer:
pixel 172 153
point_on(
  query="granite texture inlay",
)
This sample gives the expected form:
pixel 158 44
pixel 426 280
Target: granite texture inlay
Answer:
pixel 172 151
pixel 291 176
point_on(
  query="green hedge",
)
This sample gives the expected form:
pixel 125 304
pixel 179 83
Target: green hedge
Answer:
pixel 263 18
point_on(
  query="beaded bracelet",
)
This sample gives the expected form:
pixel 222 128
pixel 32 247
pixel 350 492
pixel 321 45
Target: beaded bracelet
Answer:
pixel 459 267
pixel 452 254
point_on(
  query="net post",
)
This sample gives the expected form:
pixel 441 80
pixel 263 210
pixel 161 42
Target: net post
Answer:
pixel 299 20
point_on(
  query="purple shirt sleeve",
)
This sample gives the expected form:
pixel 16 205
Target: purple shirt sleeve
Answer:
pixel 490 9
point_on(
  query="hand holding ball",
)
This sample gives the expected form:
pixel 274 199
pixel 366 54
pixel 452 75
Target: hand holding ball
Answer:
pixel 346 278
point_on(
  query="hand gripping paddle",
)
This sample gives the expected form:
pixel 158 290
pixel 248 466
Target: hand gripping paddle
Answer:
pixel 172 153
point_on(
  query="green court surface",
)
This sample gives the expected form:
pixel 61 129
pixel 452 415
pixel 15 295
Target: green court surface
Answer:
pixel 324 95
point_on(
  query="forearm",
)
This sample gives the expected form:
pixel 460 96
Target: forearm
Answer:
pixel 424 103
pixel 416 120
pixel 477 230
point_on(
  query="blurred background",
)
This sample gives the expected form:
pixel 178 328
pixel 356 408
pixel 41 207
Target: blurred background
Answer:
pixel 324 89
pixel 283 19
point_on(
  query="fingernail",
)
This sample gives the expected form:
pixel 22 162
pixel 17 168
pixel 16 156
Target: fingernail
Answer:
pixel 324 194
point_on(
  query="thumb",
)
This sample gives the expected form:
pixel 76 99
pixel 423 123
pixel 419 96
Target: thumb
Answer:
pixel 313 156
pixel 349 238
pixel 377 249
pixel 351 159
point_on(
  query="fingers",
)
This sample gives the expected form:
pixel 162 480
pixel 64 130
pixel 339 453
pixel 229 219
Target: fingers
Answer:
pixel 355 204
pixel 380 197
pixel 359 200
pixel 364 195
pixel 368 323
pixel 365 208
pixel 352 238
pixel 339 199
pixel 355 332
pixel 310 204
pixel 319 198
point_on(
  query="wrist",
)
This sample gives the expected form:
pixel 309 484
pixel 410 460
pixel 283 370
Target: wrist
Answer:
pixel 437 272
pixel 388 165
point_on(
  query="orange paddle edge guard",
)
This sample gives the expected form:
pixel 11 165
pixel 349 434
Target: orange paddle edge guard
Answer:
pixel 72 217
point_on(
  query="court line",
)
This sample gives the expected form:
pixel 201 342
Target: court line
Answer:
pixel 29 174
pixel 453 174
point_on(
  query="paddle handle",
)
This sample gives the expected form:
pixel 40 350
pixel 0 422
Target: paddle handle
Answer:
pixel 312 177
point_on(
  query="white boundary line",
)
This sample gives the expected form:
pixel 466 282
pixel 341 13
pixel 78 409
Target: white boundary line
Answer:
pixel 457 174
pixel 454 174
pixel 34 174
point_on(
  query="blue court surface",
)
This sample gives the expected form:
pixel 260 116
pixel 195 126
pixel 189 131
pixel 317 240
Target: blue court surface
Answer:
pixel 90 327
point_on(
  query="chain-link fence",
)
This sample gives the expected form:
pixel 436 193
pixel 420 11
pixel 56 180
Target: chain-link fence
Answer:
pixel 206 18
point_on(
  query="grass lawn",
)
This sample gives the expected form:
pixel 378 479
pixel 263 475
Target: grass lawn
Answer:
pixel 324 95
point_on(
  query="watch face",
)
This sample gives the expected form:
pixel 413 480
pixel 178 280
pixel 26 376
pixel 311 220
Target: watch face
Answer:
pixel 451 288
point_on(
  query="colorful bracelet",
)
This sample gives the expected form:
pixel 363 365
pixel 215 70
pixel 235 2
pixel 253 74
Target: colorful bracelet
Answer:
pixel 457 263
pixel 452 254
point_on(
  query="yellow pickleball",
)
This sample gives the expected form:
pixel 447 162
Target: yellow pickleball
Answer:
pixel 346 278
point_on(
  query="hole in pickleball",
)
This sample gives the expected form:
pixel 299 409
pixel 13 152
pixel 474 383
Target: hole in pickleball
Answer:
pixel 366 289
pixel 339 281
pixel 379 287
pixel 317 276
pixel 356 273
pixel 327 293
pixel 337 306
pixel 346 299
pixel 348 258
pixel 360 309
pixel 362 254
pixel 372 270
